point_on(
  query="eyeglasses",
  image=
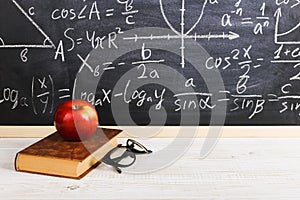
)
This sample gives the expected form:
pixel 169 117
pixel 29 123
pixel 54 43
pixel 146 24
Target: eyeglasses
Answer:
pixel 124 156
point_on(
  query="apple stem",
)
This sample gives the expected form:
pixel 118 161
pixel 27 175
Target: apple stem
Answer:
pixel 75 107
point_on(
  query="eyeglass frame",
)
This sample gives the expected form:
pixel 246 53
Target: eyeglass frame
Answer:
pixel 129 152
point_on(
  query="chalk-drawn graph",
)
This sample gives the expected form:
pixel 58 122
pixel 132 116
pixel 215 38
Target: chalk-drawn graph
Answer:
pixel 47 43
pixel 277 35
pixel 182 34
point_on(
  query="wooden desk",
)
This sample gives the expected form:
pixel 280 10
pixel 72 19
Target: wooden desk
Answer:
pixel 238 168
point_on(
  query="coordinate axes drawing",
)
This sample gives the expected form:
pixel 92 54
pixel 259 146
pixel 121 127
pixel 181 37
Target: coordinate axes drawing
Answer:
pixel 277 35
pixel 47 43
pixel 182 35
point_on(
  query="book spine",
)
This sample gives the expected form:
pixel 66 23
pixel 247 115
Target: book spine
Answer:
pixel 16 163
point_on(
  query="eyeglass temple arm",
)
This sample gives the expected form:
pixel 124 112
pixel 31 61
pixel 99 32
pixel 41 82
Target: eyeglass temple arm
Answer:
pixel 131 147
pixel 141 152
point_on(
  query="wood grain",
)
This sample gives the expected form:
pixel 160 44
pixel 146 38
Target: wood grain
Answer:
pixel 236 169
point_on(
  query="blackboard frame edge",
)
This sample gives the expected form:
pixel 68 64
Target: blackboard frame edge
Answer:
pixel 275 131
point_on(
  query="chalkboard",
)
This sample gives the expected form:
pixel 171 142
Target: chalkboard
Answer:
pixel 158 62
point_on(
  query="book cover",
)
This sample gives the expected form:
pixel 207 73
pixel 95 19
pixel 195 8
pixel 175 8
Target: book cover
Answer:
pixel 55 156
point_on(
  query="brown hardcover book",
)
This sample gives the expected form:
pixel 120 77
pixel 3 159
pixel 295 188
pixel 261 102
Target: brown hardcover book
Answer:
pixel 55 156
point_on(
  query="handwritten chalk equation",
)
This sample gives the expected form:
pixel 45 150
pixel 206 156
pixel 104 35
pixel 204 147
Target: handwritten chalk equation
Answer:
pixel 234 37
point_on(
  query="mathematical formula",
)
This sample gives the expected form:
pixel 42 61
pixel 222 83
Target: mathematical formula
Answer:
pixel 234 40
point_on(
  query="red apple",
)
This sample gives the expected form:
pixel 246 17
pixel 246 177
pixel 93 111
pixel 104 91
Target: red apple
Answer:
pixel 76 120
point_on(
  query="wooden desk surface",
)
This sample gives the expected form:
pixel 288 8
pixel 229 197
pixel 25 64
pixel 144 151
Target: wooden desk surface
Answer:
pixel 241 168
